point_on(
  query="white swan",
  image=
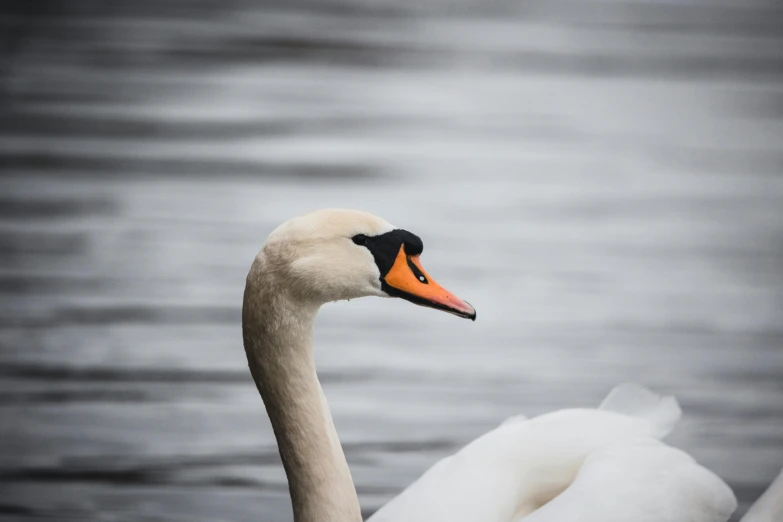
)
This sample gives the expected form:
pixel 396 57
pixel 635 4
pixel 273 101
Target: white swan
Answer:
pixel 604 464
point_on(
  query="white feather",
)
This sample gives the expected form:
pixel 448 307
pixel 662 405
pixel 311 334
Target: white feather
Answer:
pixel 663 412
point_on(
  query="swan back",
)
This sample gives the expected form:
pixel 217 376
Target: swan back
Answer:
pixel 524 463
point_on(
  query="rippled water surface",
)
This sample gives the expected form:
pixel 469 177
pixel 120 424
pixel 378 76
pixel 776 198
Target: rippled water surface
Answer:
pixel 601 179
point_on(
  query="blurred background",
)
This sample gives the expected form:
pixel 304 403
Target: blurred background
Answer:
pixel 601 179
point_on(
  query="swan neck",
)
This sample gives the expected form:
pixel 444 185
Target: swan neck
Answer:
pixel 277 334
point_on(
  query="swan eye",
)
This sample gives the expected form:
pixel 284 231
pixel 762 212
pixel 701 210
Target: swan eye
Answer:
pixel 417 272
pixel 359 239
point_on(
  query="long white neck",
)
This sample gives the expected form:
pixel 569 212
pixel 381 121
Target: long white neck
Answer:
pixel 277 331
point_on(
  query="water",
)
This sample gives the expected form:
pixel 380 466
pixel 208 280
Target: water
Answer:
pixel 601 180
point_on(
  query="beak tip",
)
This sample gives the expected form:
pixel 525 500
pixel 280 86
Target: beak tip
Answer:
pixel 471 316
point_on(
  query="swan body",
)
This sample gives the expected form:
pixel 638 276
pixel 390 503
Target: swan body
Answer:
pixel 523 465
pixel 604 464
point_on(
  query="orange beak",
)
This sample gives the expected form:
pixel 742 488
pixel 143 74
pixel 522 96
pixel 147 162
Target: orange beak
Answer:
pixel 408 280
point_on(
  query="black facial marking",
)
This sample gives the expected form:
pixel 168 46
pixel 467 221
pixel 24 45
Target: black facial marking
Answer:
pixel 385 247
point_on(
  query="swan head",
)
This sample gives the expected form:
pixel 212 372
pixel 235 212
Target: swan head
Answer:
pixel 336 254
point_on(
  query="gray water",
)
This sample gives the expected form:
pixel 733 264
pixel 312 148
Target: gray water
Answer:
pixel 601 179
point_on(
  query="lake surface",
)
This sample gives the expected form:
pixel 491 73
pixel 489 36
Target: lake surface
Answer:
pixel 601 179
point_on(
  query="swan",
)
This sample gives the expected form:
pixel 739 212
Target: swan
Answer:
pixel 580 464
